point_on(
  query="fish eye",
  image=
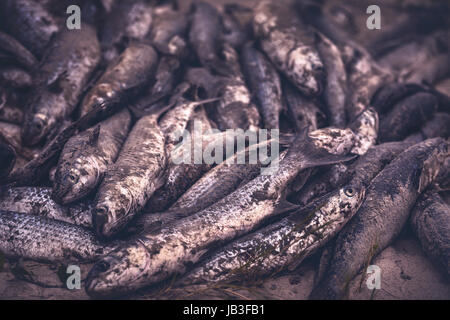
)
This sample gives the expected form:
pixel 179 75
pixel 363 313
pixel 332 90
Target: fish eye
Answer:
pixel 73 178
pixel 349 192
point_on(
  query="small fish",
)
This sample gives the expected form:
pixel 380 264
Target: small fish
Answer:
pixel 86 157
pixel 335 90
pixel 14 77
pixel 155 257
pixel 9 111
pixel 123 78
pixel 43 239
pixel 282 245
pixel 389 200
pixel 137 173
pixel 71 58
pixel 38 201
pixel 233 32
pixel 29 22
pixel 389 95
pixel 128 20
pixel 7 157
pixel 265 85
pixel 430 221
pixel 407 116
pixel 290 45
pixel 437 126
pixel 303 111
pixel 18 52
pixel 169 31
pixel 11 133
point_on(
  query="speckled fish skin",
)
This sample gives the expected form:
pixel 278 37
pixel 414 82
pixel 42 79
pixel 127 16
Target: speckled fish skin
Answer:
pixel 169 31
pixel 125 76
pixel 153 258
pixel 430 221
pixel 132 180
pixel 389 95
pixel 7 157
pixel 15 77
pixel 264 83
pixel 29 23
pixel 204 35
pixel 407 116
pixel 290 45
pixel 365 127
pixel 38 201
pixel 281 245
pixel 47 240
pixel 18 52
pixel 70 60
pixel 302 110
pixel 389 200
pixel 335 90
pixel 86 157
pixel 128 20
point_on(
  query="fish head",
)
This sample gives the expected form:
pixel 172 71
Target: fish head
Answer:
pixel 334 140
pixel 119 272
pixel 365 127
pixel 36 128
pixel 76 179
pixel 434 162
pixel 112 210
pixel 350 199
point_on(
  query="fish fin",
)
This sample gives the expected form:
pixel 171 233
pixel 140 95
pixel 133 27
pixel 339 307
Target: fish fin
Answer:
pixel 93 137
pixel 285 207
pixel 305 213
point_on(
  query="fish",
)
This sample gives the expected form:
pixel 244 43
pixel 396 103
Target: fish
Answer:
pixel 17 51
pixel 137 173
pixel 386 209
pixel 365 127
pixel 86 157
pixel 389 95
pixel 335 90
pixel 437 126
pixel 155 257
pixel 430 223
pixel 279 246
pixel 234 33
pixel 407 116
pixel 70 60
pixel 38 201
pixel 264 83
pixel 169 32
pixel 204 36
pixel 9 111
pixel 290 45
pixel 15 77
pixel 47 240
pixel 7 157
pixel 124 78
pixel 30 23
pixel 127 21
pixel 165 78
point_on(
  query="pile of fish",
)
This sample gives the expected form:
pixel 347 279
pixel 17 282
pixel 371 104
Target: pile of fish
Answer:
pixel 89 140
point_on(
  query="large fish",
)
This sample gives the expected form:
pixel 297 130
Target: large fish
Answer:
pixel 264 83
pixel 389 200
pixel 86 157
pixel 71 58
pixel 284 244
pixel 290 45
pixel 430 221
pixel 156 257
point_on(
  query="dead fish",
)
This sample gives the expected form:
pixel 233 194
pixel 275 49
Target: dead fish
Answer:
pixel 165 78
pixel 14 77
pixel 157 257
pixel 389 200
pixel 335 90
pixel 7 157
pixel 407 116
pixel 137 173
pixel 389 95
pixel 282 245
pixel 123 78
pixel 28 22
pixel 86 157
pixel 264 83
pixel 71 58
pixel 128 20
pixel 365 127
pixel 18 52
pixel 204 36
pixel 430 222
pixel 437 126
pixel 38 201
pixel 11 133
pixel 47 240
pixel 303 111
pixel 169 31
pixel 290 45
pixel 233 32
pixel 9 111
